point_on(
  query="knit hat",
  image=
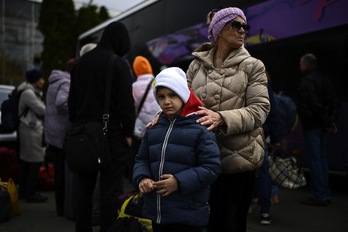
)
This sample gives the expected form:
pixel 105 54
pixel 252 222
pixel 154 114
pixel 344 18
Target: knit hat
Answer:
pixel 33 75
pixel 175 79
pixel 220 19
pixel 141 66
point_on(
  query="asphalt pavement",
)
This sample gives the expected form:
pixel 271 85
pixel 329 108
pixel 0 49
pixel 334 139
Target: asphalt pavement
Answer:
pixel 289 215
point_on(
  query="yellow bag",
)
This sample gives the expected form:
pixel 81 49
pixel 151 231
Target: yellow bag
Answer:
pixel 135 200
pixel 12 190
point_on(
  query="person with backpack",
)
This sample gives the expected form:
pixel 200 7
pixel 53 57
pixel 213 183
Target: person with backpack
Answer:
pixel 30 132
pixel 264 186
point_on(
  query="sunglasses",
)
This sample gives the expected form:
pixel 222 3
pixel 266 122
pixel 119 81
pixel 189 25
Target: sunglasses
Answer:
pixel 238 25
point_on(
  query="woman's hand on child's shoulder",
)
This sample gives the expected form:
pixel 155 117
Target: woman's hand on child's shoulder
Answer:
pixel 209 118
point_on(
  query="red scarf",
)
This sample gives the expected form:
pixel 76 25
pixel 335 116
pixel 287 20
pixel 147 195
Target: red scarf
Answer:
pixel 191 105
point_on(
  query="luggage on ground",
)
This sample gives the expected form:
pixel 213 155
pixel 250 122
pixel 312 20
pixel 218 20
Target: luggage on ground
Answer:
pixel 11 188
pixel 9 165
pixel 130 216
pixel 5 205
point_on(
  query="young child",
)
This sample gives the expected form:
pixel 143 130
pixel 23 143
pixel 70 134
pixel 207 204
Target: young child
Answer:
pixel 177 160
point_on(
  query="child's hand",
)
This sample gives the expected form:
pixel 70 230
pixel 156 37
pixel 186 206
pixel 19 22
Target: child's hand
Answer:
pixel 146 185
pixel 167 185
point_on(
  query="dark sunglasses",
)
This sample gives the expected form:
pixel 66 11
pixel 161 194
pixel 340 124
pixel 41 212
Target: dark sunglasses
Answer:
pixel 238 25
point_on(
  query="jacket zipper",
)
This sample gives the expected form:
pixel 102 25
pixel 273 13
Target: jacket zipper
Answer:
pixel 160 170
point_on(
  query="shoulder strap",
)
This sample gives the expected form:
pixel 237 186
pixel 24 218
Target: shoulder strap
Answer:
pixel 144 97
pixel 108 83
pixel 26 110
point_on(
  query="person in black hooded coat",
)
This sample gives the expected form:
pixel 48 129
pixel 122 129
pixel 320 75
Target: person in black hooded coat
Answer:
pixel 86 102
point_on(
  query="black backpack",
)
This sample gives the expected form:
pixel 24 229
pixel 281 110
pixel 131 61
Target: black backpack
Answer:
pixel 9 112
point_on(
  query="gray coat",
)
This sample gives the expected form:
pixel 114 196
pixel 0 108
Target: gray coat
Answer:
pixel 31 124
pixel 57 116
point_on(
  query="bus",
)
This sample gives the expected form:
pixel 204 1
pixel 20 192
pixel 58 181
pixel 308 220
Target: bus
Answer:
pixel 167 31
pixel 153 19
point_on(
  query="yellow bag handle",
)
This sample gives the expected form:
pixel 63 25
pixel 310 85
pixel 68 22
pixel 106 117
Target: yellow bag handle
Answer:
pixel 12 190
pixel 122 214
pixel 125 203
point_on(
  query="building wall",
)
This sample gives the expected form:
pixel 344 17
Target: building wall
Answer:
pixel 20 41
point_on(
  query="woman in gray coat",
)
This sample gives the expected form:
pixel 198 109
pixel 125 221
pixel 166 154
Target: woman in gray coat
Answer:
pixel 31 150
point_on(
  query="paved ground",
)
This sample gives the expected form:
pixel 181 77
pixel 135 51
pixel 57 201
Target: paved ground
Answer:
pixel 291 216
pixel 288 216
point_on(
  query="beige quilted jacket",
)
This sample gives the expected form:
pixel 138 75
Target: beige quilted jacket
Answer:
pixel 238 91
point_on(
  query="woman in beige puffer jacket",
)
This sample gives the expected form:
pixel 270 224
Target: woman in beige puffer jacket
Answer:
pixel 238 92
pixel 233 88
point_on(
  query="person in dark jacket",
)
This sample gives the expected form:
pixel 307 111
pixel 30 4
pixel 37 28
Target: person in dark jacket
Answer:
pixel 272 141
pixel 177 160
pixel 86 102
pixel 318 111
